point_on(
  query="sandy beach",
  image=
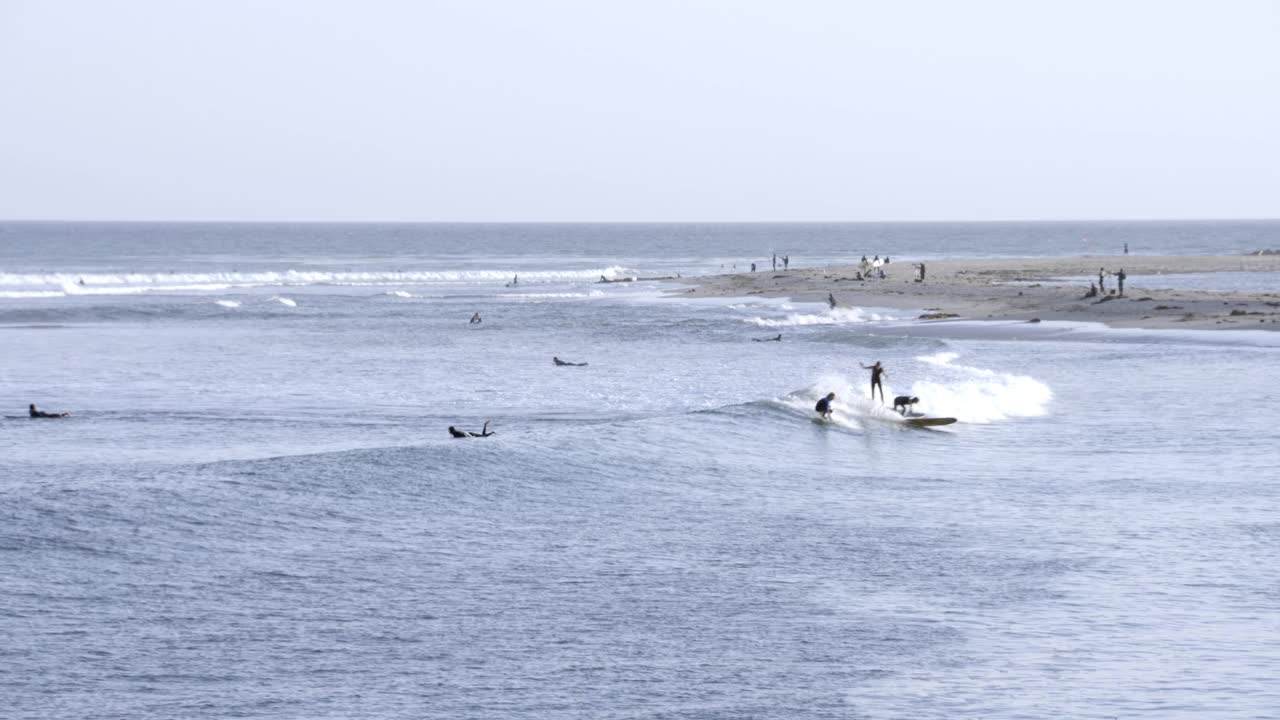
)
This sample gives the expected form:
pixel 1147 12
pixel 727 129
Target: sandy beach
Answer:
pixel 1027 289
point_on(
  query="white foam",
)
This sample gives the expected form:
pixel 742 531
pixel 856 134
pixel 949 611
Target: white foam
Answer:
pixel 398 293
pixel 837 316
pixel 285 301
pixel 978 395
pixel 123 283
pixel 552 296
pixel 228 303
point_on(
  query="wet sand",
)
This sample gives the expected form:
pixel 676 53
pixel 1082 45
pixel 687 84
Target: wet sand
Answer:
pixel 1015 289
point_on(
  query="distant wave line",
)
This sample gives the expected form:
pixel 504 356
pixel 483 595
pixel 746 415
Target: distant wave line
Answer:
pixel 54 284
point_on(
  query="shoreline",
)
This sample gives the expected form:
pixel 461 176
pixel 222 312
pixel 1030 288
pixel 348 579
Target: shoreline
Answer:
pixel 983 289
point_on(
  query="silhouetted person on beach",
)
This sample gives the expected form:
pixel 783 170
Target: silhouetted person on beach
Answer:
pixel 786 262
pixel 476 318
pixel 877 371
pixel 753 267
pixel 921 266
pixel 823 408
pixel 36 413
pixel 464 434
pixel 1120 276
pixel 1102 288
pixel 775 262
pixel 1126 248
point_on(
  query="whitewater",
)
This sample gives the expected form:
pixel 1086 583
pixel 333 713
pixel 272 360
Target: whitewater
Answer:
pixel 255 508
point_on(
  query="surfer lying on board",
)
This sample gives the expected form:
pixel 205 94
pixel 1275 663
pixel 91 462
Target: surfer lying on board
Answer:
pixel 484 432
pixel 876 372
pixel 775 338
pixel 566 363
pixel 33 412
pixel 823 407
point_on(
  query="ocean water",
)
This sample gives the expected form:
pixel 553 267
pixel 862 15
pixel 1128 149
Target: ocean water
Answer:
pixel 255 509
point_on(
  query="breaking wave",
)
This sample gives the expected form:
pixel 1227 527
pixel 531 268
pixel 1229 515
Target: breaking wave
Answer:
pixel 838 316
pixel 19 285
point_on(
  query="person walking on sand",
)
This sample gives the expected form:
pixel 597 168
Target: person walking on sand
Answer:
pixel 1120 276
pixel 753 267
pixel 775 262
pixel 877 371
pixel 823 408
pixel 786 262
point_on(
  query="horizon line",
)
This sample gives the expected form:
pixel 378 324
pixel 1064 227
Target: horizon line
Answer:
pixel 636 222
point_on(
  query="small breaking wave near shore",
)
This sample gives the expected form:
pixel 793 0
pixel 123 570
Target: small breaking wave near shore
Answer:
pixel 836 316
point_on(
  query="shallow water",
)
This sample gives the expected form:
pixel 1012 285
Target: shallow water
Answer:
pixel 255 509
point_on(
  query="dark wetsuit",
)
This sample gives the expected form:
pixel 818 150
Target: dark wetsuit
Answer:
pixel 823 407
pixel 876 372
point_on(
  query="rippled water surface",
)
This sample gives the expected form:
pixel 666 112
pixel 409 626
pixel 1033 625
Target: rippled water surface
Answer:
pixel 255 509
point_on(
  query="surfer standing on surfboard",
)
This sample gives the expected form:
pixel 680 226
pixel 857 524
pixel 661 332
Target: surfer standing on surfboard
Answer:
pixel 877 371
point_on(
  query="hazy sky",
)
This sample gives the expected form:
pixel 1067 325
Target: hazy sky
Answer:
pixel 647 110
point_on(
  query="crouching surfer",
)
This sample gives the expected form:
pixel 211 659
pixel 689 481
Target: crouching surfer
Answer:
pixel 823 408
pixel 35 413
pixel 484 432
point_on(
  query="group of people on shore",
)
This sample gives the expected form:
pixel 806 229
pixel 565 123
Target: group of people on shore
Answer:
pixel 1101 288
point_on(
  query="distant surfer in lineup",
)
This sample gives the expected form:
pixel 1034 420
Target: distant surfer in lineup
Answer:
pixel 823 408
pixel 475 319
pixel 565 363
pixel 877 371
pixel 831 298
pixel 775 338
pixel 37 413
pixel 515 280
pixel 484 432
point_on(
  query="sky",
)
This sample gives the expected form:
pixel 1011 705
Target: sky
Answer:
pixel 653 110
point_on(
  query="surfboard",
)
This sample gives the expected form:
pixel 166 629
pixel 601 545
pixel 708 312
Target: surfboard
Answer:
pixel 928 421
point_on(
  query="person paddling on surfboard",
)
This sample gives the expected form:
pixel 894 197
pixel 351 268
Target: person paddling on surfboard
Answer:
pixel 823 407
pixel 485 432
pixel 33 412
pixel 877 371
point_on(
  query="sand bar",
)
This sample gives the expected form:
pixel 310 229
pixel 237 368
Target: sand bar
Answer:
pixel 1011 289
